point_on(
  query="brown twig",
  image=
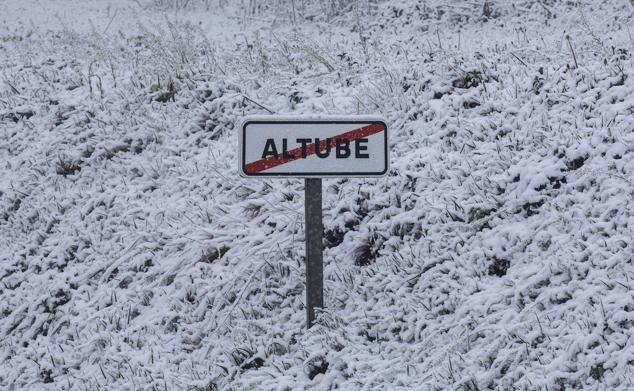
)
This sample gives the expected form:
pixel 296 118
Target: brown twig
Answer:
pixel 258 104
pixel 574 57
pixel 518 59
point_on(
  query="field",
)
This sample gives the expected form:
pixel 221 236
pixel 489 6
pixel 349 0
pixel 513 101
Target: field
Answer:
pixel 497 253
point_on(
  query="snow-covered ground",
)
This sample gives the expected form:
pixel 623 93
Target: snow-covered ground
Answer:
pixel 496 255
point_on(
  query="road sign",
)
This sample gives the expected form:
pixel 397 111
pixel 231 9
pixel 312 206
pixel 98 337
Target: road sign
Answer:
pixel 313 148
pixel 272 146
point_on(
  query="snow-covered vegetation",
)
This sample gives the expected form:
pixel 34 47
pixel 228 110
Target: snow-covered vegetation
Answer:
pixel 496 255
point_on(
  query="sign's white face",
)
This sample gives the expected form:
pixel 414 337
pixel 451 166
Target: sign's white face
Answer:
pixel 326 147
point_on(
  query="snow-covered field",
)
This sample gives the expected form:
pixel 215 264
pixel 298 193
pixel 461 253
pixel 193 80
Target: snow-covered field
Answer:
pixel 496 255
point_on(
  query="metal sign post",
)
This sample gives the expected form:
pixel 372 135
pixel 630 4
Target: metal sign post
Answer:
pixel 313 148
pixel 314 248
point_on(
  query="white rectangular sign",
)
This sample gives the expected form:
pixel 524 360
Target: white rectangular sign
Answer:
pixel 272 146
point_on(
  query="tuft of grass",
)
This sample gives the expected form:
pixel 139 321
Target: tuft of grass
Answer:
pixel 315 366
pixel 66 167
pixel 241 355
pixel 212 254
pixel 498 267
pixel 366 252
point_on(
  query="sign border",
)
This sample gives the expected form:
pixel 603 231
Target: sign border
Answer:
pixel 344 120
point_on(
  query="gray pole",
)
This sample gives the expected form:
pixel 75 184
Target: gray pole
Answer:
pixel 314 248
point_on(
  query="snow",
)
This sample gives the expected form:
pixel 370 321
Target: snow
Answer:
pixel 496 254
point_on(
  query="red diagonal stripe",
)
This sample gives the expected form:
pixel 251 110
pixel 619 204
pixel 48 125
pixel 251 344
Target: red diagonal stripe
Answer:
pixel 274 161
